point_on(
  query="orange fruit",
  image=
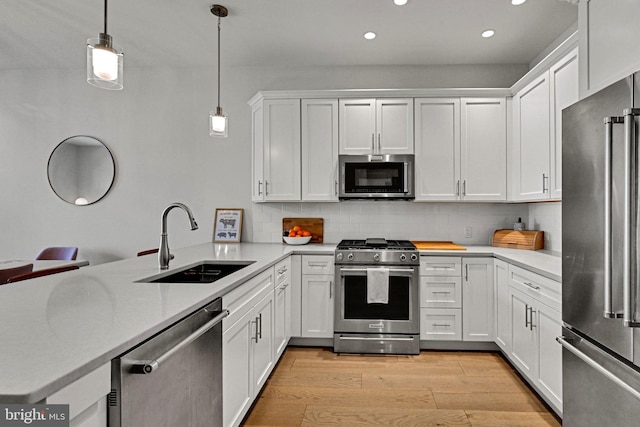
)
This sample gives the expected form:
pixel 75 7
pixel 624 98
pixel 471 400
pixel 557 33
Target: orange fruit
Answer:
pixel 292 233
pixel 305 233
pixel 296 228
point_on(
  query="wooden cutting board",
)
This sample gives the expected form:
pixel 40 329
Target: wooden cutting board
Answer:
pixel 435 245
pixel 314 225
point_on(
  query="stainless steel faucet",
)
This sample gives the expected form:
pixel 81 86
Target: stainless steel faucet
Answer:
pixel 164 256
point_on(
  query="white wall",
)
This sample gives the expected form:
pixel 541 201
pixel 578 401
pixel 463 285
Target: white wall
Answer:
pixel 547 217
pixel 157 130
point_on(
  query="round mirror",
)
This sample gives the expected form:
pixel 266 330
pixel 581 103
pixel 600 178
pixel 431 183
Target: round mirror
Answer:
pixel 81 170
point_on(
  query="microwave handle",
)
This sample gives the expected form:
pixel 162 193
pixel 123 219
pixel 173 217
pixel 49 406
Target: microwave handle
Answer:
pixel 406 177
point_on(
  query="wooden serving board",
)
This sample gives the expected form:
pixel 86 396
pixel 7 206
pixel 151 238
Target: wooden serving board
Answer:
pixel 314 225
pixel 526 239
pixel 435 245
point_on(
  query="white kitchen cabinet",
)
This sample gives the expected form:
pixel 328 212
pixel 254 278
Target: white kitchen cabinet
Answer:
pixel 376 126
pixel 607 33
pixel 282 301
pixel 437 149
pixel 563 80
pixel 531 139
pixel 441 298
pixel 276 150
pixel 478 315
pixel 247 345
pixel 317 296
pixel 86 397
pixel 537 130
pixel 319 165
pixel 503 315
pixel 441 324
pixel 536 321
pixel 461 147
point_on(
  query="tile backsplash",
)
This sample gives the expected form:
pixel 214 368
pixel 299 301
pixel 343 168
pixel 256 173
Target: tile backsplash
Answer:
pixel 463 223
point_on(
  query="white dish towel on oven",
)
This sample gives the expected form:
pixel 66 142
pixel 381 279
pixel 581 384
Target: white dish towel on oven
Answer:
pixel 377 285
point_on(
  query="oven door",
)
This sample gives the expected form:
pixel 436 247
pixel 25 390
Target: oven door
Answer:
pixel 354 314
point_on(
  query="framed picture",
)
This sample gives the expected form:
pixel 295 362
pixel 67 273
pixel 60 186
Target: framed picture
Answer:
pixel 227 226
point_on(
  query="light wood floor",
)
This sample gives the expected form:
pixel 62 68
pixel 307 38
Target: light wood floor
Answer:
pixel 314 386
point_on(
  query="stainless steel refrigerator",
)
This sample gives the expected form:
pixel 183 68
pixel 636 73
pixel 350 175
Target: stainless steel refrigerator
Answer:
pixel 600 308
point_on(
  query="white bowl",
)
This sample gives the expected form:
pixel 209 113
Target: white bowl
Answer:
pixel 297 240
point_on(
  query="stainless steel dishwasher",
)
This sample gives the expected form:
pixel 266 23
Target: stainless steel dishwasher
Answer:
pixel 174 378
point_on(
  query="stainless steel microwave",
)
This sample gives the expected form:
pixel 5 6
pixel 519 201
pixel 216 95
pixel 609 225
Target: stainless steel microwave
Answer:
pixel 376 176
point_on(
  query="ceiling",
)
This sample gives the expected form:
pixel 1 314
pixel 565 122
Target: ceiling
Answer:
pixel 182 33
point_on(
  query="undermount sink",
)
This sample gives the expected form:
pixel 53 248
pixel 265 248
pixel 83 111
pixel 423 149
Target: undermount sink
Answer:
pixel 203 272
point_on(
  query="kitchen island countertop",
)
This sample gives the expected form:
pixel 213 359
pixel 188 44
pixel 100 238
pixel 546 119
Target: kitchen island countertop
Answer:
pixel 58 328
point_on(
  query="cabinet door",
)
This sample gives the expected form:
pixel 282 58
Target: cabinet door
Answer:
pixel 523 339
pixel 317 306
pixel 357 126
pixel 564 92
pixel 503 317
pixel 437 148
pixel 282 149
pixel 257 144
pixel 320 149
pixel 483 149
pixel 531 138
pixel 478 316
pixel 548 326
pixel 282 317
pixel 237 367
pixel 394 126
pixel 441 324
pixel 263 351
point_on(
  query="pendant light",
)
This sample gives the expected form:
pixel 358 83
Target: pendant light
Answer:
pixel 104 60
pixel 218 123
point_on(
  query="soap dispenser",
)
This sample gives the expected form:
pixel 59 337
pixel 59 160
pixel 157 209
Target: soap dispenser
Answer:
pixel 519 226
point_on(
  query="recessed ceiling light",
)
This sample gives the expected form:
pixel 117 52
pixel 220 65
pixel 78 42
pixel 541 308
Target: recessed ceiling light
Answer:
pixel 517 2
pixel 403 2
pixel 369 35
pixel 488 33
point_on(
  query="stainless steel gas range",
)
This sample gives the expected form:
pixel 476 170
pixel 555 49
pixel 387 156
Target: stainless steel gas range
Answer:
pixel 377 301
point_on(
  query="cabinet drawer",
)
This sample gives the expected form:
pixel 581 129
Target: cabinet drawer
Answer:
pixel 539 287
pixel 441 324
pixel 440 266
pixel 242 299
pixel 444 292
pixel 317 264
pixel 282 270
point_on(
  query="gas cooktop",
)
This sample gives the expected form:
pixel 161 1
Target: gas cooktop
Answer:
pixel 377 243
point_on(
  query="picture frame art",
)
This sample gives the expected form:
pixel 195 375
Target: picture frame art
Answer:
pixel 227 225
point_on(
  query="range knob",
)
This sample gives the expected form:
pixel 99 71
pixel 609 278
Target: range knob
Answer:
pixel 403 257
pixel 339 256
pixel 350 257
pixel 376 257
pixel 414 257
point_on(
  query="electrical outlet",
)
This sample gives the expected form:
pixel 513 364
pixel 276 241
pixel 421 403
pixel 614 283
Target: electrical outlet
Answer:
pixel 468 232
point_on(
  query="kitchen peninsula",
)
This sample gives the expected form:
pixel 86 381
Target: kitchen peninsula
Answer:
pixel 58 329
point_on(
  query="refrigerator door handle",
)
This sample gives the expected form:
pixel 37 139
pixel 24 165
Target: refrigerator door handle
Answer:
pixel 595 365
pixel 630 226
pixel 609 312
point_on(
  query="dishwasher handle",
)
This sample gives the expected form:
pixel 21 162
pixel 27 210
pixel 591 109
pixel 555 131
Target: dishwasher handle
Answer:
pixel 149 366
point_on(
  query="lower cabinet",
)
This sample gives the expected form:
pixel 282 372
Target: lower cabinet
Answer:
pixel 478 316
pixel 503 316
pixel 536 321
pixel 248 353
pixel 282 306
pixel 317 296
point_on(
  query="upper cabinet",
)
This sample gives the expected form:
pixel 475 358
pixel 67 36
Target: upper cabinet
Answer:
pixel 276 150
pixel 537 131
pixel 376 126
pixel 320 149
pixel 608 31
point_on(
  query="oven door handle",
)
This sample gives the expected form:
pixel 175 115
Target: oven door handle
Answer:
pixel 391 270
pixel 375 338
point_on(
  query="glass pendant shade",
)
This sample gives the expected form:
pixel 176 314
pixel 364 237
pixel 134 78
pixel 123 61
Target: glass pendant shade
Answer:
pixel 218 124
pixel 104 63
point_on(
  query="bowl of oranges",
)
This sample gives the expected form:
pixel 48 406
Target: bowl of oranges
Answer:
pixel 297 236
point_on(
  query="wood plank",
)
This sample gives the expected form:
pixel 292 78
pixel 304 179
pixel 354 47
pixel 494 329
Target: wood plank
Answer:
pixel 448 384
pixel 269 412
pixel 322 415
pixel 322 378
pixel 512 419
pixel 313 225
pixel 489 401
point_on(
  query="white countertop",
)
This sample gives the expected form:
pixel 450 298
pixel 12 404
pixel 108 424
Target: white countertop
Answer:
pixel 55 329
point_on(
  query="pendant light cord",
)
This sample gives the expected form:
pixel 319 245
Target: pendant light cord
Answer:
pixel 105 17
pixel 218 62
